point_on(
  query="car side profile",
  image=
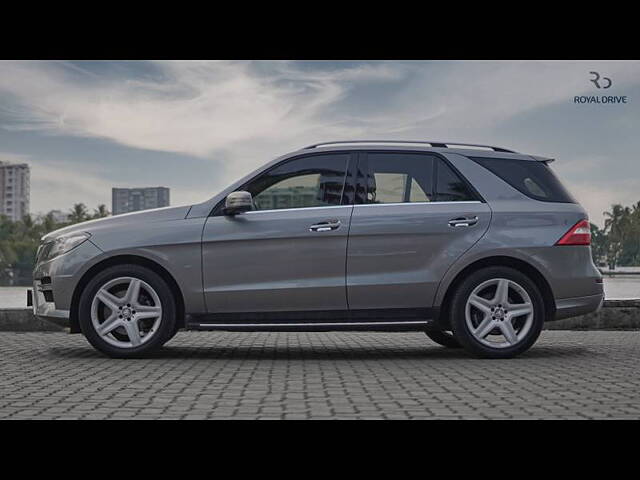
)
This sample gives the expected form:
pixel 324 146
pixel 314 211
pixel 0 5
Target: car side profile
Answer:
pixel 477 246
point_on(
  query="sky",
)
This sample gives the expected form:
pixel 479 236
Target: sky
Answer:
pixel 196 126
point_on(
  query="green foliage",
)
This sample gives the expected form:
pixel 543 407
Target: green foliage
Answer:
pixel 19 241
pixel 618 243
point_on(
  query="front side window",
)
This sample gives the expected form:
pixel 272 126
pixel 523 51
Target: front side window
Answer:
pixel 399 178
pixel 313 181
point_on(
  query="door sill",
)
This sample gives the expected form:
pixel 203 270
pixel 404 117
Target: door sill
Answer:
pixel 385 326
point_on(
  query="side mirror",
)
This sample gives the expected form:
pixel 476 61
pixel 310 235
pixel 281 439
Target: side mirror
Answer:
pixel 238 202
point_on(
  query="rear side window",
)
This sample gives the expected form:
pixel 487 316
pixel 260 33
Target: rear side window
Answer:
pixel 535 179
pixel 449 186
pixel 402 177
pixel 399 178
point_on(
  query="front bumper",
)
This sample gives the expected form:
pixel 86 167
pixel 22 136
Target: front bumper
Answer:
pixel 576 306
pixel 55 281
pixel 43 308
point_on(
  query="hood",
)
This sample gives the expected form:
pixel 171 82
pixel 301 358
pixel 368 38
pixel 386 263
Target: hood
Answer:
pixel 144 216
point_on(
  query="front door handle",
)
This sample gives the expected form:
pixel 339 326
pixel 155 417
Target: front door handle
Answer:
pixel 325 226
pixel 463 221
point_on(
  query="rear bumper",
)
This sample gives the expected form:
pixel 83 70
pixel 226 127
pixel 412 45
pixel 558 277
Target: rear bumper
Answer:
pixel 576 306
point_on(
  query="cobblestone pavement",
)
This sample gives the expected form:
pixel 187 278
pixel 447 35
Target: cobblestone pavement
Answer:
pixel 320 375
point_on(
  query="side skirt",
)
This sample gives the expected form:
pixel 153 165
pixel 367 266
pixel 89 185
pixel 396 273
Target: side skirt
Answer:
pixel 398 320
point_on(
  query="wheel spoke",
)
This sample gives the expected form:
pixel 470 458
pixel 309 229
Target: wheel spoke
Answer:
pixel 502 292
pixel 508 331
pixel 485 327
pixel 520 309
pixel 133 292
pixel 133 332
pixel 480 303
pixel 109 324
pixel 111 301
pixel 149 314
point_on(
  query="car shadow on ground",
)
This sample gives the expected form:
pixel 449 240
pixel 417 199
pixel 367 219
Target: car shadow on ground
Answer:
pixel 323 353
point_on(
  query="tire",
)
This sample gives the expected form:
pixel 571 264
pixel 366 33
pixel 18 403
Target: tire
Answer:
pixel 122 300
pixel 497 312
pixel 443 338
pixel 176 329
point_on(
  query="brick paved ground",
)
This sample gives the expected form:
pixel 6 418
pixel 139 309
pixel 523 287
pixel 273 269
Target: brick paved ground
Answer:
pixel 320 375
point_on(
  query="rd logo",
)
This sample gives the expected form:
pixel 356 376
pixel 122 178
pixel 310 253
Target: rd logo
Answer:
pixel 596 80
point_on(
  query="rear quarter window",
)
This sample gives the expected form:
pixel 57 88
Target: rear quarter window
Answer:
pixel 535 179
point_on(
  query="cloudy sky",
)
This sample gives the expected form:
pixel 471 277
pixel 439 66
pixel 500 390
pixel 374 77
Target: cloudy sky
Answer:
pixel 85 127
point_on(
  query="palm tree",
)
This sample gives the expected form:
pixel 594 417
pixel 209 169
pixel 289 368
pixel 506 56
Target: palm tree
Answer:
pixel 616 226
pixel 599 244
pixel 101 211
pixel 78 213
pixel 48 223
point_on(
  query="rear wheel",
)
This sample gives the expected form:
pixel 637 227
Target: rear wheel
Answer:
pixel 444 338
pixel 497 312
pixel 127 311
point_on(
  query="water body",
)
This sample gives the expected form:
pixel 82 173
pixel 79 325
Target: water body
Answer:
pixel 627 286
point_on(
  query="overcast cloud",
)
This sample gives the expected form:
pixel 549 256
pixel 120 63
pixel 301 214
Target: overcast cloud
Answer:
pixel 196 126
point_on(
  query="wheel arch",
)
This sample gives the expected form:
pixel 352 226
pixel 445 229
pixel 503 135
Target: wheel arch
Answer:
pixel 499 261
pixel 122 260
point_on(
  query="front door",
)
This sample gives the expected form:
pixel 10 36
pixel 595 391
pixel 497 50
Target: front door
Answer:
pixel 289 253
pixel 415 217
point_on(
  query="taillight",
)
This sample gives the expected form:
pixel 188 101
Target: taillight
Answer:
pixel 579 234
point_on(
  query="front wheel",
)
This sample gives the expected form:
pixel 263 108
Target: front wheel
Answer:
pixel 497 312
pixel 127 311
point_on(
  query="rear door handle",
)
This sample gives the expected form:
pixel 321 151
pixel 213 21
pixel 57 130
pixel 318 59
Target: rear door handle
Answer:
pixel 325 226
pixel 463 221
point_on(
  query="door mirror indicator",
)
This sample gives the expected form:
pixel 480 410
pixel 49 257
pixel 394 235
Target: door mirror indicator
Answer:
pixel 238 202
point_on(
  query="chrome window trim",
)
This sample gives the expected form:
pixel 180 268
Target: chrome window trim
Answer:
pixel 416 203
pixel 253 212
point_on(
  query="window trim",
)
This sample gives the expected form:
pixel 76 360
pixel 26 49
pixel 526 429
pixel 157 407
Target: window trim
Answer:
pixel 217 210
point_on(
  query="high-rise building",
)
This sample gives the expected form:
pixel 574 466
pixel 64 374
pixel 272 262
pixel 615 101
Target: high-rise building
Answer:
pixel 125 200
pixel 15 190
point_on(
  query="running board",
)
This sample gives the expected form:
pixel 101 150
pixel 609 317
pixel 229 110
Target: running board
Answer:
pixel 386 326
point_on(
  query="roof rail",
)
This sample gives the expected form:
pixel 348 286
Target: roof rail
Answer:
pixel 433 144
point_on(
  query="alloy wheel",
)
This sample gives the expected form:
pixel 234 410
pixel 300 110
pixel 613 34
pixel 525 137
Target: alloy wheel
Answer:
pixel 126 312
pixel 499 313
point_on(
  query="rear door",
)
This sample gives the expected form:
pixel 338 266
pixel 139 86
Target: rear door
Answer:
pixel 414 216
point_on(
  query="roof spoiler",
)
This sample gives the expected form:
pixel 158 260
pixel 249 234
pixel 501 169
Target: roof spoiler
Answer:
pixel 543 159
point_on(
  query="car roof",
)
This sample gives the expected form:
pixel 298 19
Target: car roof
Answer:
pixel 419 146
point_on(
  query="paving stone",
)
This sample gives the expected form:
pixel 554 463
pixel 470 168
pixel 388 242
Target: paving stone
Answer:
pixel 566 375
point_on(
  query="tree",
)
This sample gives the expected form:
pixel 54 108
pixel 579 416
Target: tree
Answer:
pixel 19 240
pixel 616 226
pixel 101 211
pixel 599 244
pixel 78 213
pixel 48 223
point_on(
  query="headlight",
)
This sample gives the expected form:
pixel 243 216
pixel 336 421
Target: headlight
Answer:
pixel 60 245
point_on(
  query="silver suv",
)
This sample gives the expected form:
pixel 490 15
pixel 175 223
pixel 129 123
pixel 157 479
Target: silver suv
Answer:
pixel 476 246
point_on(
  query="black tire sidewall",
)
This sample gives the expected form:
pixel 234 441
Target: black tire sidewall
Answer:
pixel 167 300
pixel 458 320
pixel 443 338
